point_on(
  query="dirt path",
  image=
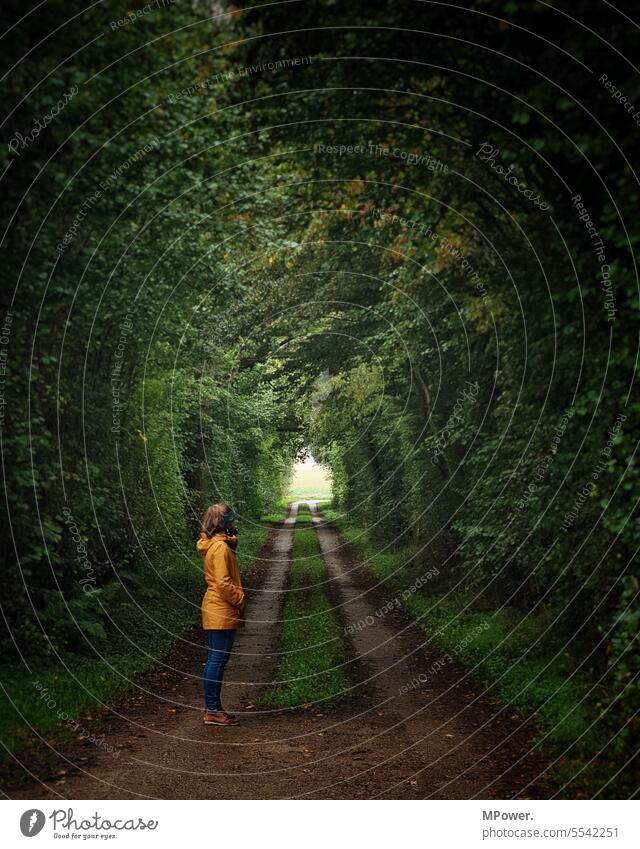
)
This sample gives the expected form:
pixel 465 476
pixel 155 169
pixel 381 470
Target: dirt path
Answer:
pixel 385 739
pixel 456 744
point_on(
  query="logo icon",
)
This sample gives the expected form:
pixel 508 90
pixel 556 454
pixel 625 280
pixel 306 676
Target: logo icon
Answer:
pixel 32 822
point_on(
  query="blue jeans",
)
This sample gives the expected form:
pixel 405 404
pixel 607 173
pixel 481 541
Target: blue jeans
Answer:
pixel 220 645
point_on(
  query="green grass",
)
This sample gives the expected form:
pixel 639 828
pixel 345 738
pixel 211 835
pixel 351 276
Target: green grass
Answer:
pixel 54 691
pixel 310 669
pixel 501 648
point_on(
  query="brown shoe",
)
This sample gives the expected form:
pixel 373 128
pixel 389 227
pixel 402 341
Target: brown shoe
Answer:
pixel 219 718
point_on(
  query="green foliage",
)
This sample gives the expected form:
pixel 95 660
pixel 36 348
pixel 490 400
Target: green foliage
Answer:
pixel 119 414
pixel 138 632
pixel 141 626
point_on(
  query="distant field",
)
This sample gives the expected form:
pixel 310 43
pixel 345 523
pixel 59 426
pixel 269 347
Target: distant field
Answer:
pixel 310 480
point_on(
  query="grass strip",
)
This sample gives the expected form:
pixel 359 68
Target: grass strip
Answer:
pixel 312 650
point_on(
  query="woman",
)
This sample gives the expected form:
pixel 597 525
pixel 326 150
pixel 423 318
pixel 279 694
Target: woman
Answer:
pixel 222 604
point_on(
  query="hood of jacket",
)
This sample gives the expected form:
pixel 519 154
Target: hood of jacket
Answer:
pixel 205 542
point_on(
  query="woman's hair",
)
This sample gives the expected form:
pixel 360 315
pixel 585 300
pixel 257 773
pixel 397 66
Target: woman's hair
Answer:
pixel 214 518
